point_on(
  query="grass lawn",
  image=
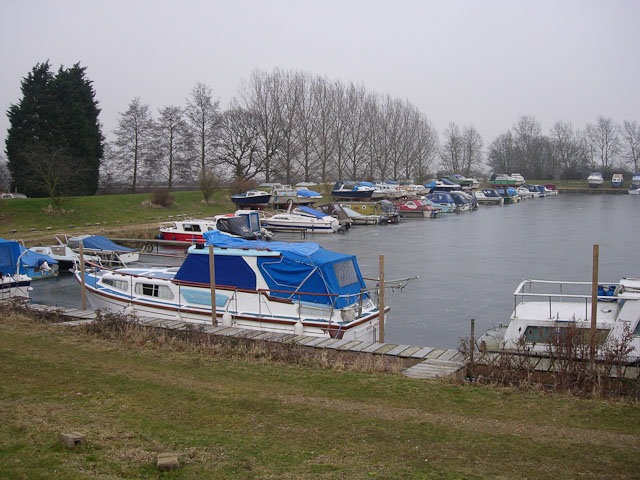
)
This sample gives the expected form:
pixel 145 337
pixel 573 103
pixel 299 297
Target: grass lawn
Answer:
pixel 113 210
pixel 252 418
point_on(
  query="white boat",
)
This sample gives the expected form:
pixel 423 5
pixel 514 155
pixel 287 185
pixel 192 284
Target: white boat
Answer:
pixel 64 255
pixel 13 284
pixel 243 224
pixel 302 219
pixel 278 287
pixel 387 191
pixel 98 246
pixel 595 179
pixel 361 219
pixel 634 188
pixel 517 178
pixel 489 196
pixel 545 309
pixel 524 193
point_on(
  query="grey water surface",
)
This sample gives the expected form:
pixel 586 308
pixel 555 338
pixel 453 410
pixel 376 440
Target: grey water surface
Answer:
pixel 469 264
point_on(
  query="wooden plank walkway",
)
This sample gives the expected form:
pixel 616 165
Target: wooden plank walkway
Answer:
pixel 433 362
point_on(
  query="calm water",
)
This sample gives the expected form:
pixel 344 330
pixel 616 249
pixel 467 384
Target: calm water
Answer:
pixel 469 264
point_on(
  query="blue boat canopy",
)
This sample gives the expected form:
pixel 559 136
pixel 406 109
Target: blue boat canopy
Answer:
pixel 308 194
pixel 10 251
pixel 313 212
pixel 303 271
pixel 98 242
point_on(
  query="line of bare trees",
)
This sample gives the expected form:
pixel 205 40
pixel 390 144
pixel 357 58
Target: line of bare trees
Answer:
pixel 566 152
pixel 282 126
pixel 286 126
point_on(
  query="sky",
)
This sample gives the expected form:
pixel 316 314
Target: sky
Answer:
pixel 483 63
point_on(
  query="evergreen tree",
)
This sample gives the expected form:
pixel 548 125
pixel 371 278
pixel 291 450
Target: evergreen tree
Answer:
pixel 55 114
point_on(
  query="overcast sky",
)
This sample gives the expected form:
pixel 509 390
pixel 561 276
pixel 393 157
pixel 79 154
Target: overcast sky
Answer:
pixel 479 62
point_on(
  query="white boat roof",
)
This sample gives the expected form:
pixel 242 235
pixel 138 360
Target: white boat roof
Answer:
pixel 567 311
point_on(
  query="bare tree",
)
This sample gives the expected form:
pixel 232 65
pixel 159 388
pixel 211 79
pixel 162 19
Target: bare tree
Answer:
pixel 503 154
pixel 305 124
pixel 471 150
pixel 52 170
pixel 204 120
pixel 424 150
pixel 261 97
pixel 172 144
pixel 133 140
pixel 452 150
pixel 324 125
pixel 631 148
pixel 604 142
pixel 291 94
pixel 528 138
pixel 358 106
pixel 568 150
pixel 239 142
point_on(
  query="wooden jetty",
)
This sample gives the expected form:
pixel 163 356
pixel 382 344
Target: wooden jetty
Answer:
pixel 422 362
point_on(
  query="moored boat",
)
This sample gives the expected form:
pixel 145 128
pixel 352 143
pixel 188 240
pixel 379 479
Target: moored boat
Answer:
pixel 595 180
pixel 444 201
pixel 304 219
pixel 416 208
pixel 545 311
pixel 244 224
pixel 489 196
pixel 257 199
pixel 384 209
pixel 352 191
pixel 277 287
pixel 13 282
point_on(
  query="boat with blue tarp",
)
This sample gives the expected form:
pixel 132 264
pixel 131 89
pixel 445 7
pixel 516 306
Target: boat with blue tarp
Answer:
pixel 296 288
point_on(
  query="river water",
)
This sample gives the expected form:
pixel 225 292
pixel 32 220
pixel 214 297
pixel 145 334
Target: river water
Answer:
pixel 469 264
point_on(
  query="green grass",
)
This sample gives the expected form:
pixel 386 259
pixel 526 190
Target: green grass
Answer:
pixel 24 215
pixel 246 418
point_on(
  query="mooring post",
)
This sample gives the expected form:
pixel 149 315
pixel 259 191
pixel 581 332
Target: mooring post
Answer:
pixel 594 298
pixel 381 299
pixel 212 281
pixel 84 294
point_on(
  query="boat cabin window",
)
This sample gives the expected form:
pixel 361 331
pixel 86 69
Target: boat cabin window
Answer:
pixel 117 284
pixel 345 273
pixel 189 227
pixel 153 290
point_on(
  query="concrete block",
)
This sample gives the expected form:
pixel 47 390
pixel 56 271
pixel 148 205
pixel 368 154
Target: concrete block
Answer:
pixel 167 462
pixel 72 439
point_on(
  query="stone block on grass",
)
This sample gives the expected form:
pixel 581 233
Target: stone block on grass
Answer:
pixel 167 462
pixel 71 439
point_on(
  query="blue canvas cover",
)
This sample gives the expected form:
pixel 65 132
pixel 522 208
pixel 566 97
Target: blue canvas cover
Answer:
pixel 313 212
pixel 301 267
pixel 98 242
pixel 308 194
pixel 10 251
pixel 231 271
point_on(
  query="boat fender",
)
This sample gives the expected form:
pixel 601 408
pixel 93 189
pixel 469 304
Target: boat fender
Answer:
pixel 298 329
pixel 227 319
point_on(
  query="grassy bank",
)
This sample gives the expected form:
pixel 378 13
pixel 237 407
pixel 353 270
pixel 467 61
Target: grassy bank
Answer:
pixel 253 417
pixel 110 211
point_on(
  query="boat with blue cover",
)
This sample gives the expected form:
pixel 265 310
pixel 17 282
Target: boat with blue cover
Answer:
pixel 296 288
pixel 353 190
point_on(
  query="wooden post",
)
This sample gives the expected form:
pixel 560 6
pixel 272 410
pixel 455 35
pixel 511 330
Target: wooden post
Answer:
pixel 594 298
pixel 84 293
pixel 381 300
pixel 212 281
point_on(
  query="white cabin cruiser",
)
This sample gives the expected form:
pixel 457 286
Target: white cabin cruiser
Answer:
pixel 297 288
pixel 304 219
pixel 595 179
pixel 544 308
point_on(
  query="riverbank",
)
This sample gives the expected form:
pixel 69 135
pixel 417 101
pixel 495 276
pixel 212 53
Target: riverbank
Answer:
pixel 251 416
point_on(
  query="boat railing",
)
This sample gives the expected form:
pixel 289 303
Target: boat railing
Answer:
pixel 524 292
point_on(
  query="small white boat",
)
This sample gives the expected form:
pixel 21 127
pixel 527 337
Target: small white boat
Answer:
pixel 277 287
pixel 545 309
pixel 302 219
pixel 524 193
pixel 387 191
pixel 101 248
pixel 64 255
pixel 595 179
pixel 361 219
pixel 489 196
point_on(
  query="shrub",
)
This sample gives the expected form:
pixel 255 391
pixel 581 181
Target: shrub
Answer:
pixel 162 197
pixel 241 185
